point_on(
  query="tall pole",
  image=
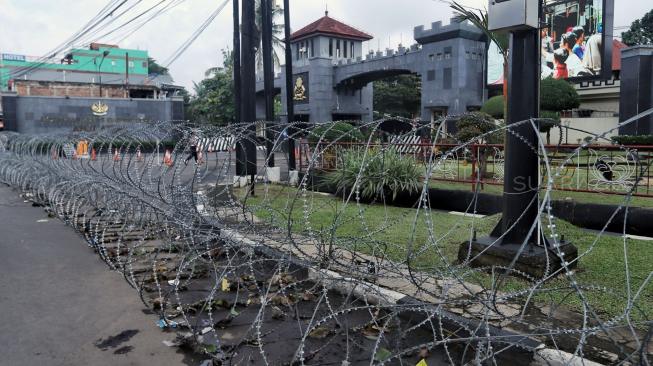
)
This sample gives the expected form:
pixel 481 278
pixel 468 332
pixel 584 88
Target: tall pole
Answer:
pixel 240 151
pixel 520 204
pixel 268 73
pixel 126 74
pixel 518 241
pixel 289 86
pixel 248 75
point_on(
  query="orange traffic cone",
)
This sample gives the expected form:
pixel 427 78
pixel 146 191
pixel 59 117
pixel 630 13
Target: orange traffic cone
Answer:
pixel 167 158
pixel 93 154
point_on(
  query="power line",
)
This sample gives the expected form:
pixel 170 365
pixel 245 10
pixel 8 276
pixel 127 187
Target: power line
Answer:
pixel 195 35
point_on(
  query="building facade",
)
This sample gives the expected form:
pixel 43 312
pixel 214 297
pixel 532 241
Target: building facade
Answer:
pixel 38 95
pixel 332 79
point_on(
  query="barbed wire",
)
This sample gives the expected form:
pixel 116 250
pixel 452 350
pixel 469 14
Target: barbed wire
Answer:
pixel 298 271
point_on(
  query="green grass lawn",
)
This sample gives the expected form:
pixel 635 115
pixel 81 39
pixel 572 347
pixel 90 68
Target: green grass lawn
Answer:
pixel 429 240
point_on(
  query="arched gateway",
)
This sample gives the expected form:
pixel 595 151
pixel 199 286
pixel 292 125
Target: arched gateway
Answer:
pixel 332 79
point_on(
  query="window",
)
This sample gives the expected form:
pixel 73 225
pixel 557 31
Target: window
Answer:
pixel 351 44
pixel 297 45
pixel 431 57
pixel 131 64
pixel 344 46
pixel 446 80
pixel 438 57
pixel 330 47
pixel 447 53
pixel 312 48
pixel 338 48
pixel 430 75
pixel 468 55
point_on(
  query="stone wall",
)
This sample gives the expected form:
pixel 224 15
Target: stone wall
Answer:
pixel 39 114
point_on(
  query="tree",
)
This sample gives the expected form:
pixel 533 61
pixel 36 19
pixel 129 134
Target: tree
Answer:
pixel 558 95
pixel 555 96
pixel 277 35
pixel 476 127
pixel 640 32
pixel 479 18
pixel 494 107
pixel 154 68
pixel 214 98
pixel 398 96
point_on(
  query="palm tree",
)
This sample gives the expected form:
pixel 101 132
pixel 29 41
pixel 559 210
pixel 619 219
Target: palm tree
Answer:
pixel 277 35
pixel 479 18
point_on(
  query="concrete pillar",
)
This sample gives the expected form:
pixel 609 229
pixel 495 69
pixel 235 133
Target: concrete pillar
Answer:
pixel 636 89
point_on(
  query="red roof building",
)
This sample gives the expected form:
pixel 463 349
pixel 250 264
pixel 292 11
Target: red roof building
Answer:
pixel 330 27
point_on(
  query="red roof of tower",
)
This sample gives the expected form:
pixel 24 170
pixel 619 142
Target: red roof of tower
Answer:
pixel 330 26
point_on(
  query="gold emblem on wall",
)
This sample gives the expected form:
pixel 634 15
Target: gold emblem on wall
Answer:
pixel 100 109
pixel 299 94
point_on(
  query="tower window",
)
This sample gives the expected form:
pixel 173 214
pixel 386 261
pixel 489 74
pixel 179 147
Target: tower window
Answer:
pixel 344 45
pixel 330 47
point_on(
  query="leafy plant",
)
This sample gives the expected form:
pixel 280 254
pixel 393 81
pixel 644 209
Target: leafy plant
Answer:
pixel 558 95
pixel 376 174
pixel 335 132
pixel 633 140
pixel 494 107
pixel 477 127
pixel 640 32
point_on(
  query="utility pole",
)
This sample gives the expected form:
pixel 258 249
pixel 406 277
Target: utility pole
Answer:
pixel 268 74
pixel 104 55
pixel 248 82
pixel 126 74
pixel 290 107
pixel 240 151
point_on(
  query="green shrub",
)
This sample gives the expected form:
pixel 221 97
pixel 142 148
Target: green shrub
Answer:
pixel 494 107
pixel 335 132
pixel 386 173
pixel 475 124
pixel 548 119
pixel 633 140
pixel 558 95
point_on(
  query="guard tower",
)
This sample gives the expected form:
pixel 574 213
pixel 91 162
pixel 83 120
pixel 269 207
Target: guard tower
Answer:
pixel 452 63
pixel 317 49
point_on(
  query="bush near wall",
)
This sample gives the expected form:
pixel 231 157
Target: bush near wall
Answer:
pixel 633 140
pixel 335 132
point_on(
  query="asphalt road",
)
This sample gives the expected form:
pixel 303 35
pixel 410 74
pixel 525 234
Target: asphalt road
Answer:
pixel 61 305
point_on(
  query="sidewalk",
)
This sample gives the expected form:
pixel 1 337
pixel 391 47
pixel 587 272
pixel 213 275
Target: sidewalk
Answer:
pixel 60 305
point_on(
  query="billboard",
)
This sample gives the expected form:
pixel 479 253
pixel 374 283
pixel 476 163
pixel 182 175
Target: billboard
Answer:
pixel 576 41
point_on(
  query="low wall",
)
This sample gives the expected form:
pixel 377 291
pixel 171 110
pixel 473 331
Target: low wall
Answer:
pixel 597 126
pixel 38 114
pixel 584 215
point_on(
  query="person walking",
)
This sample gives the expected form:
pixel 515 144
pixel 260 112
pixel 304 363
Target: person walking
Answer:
pixel 193 149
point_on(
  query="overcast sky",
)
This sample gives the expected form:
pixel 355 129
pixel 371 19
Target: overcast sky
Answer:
pixel 33 27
